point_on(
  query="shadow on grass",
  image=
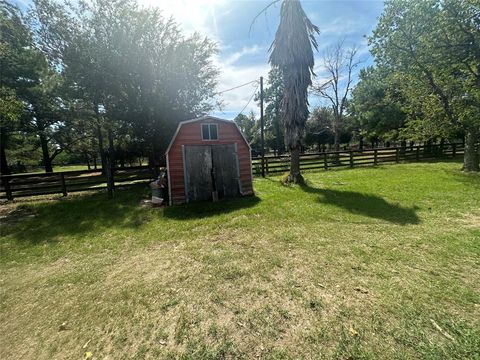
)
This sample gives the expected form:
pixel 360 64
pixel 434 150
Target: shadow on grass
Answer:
pixel 365 204
pixel 49 221
pixel 207 209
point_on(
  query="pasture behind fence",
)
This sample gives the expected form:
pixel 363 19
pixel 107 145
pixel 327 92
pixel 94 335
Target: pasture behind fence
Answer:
pixel 353 158
pixel 64 182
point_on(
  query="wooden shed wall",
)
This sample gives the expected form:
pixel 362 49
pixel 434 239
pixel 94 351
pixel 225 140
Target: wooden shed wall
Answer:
pixel 191 134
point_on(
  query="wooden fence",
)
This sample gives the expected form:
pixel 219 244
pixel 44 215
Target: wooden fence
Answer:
pixel 352 158
pixel 21 185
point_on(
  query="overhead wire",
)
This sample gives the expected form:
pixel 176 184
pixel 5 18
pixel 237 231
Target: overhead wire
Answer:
pixel 251 97
pixel 236 87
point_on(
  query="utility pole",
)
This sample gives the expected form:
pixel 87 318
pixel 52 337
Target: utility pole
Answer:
pixel 261 126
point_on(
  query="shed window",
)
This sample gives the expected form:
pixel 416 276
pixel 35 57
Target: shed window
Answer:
pixel 209 132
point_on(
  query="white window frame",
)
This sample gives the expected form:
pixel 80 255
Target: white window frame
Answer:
pixel 209 135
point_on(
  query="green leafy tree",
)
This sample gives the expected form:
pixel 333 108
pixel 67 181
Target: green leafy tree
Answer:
pixel 434 48
pixel 292 55
pixel 135 69
pixel 376 107
pixel 319 129
pixel 273 94
pixel 20 65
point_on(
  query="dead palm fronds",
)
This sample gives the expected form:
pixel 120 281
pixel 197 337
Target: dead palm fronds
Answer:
pixel 292 54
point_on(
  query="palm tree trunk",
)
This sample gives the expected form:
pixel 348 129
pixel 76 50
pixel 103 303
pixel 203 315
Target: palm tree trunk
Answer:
pixel 295 175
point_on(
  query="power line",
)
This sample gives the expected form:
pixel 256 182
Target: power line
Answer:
pixel 251 97
pixel 236 87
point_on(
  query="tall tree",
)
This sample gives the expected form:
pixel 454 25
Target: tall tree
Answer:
pixel 434 45
pixel 20 65
pixel 273 95
pixel 136 71
pixel 292 55
pixel 340 64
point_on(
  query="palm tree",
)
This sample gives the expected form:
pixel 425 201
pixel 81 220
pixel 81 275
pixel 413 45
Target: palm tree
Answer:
pixel 292 54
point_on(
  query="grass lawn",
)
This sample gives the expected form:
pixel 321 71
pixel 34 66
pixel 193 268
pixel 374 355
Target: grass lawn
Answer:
pixel 380 263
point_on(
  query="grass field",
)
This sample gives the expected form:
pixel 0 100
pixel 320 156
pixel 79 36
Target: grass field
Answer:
pixel 368 263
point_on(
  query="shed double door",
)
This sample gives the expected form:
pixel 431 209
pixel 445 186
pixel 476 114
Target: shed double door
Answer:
pixel 211 168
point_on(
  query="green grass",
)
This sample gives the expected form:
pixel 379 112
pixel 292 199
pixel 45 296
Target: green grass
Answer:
pixel 368 263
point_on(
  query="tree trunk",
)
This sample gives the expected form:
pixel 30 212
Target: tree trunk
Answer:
pixel 111 148
pixel 336 145
pixel 336 141
pixel 295 176
pixel 47 162
pixel 4 169
pixel 471 156
pixel 101 149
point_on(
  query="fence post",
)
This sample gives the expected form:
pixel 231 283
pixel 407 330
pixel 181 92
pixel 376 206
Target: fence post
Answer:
pixel 62 182
pixel 266 165
pixel 417 155
pixel 375 157
pixel 396 155
pixel 8 190
pixel 351 158
pixel 325 162
pixel 454 149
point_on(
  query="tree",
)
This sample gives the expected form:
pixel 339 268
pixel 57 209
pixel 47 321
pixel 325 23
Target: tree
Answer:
pixel 19 64
pixel 129 72
pixel 339 64
pixel 376 106
pixel 292 55
pixel 45 115
pixel 320 127
pixel 272 95
pixel 434 47
pixel 246 124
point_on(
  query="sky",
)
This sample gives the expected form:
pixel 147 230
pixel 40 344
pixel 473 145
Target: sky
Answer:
pixel 243 51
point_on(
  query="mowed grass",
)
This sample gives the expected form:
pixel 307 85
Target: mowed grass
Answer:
pixel 368 263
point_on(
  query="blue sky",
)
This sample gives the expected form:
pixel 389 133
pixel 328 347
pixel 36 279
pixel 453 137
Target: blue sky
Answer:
pixel 243 55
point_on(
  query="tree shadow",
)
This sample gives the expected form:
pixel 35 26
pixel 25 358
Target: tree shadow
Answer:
pixel 50 221
pixel 365 204
pixel 200 210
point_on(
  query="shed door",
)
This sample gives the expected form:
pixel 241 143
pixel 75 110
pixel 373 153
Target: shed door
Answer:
pixel 198 172
pixel 209 168
pixel 225 170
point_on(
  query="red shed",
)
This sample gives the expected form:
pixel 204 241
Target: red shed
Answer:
pixel 208 155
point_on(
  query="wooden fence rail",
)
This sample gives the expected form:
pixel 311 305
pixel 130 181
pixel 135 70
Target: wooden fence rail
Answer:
pixel 22 185
pixel 353 158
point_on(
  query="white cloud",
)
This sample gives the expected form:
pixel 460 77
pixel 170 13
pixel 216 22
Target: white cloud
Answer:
pixel 246 50
pixel 232 75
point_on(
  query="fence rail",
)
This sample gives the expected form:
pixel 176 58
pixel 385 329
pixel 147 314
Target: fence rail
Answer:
pixel 352 158
pixel 22 185
pixel 64 182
